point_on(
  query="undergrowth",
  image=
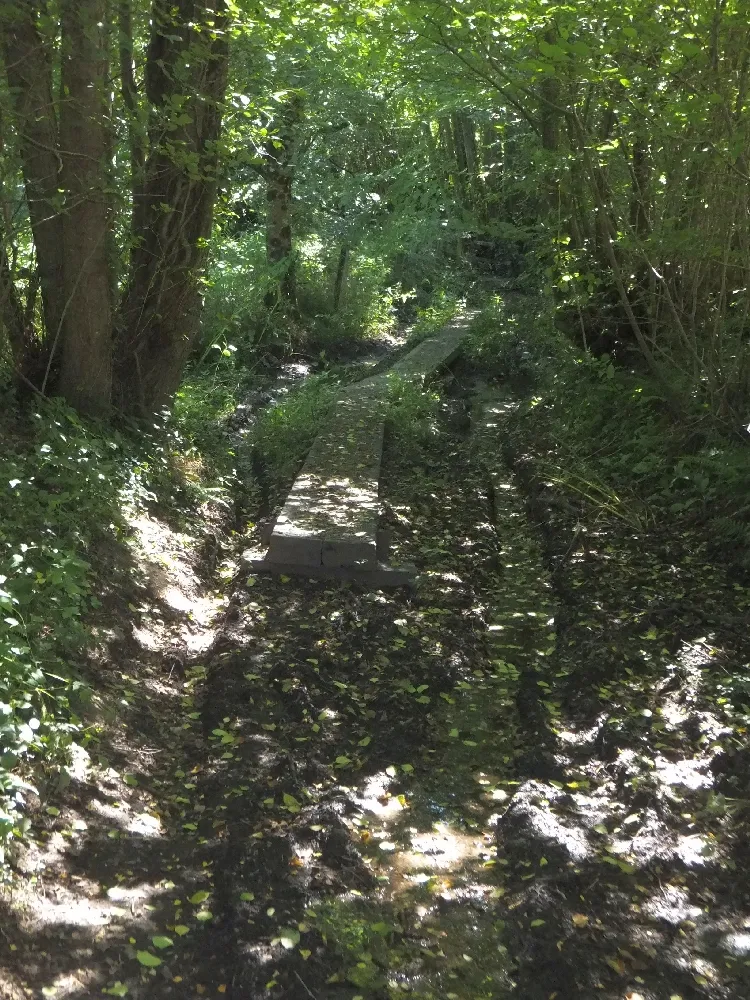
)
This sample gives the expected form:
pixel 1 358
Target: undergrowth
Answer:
pixel 412 412
pixel 284 432
pixel 66 486
pixel 615 445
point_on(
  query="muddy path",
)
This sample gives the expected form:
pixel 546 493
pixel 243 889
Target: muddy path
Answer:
pixel 495 785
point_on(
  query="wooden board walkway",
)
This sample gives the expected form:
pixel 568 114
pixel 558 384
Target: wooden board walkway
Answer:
pixel 329 524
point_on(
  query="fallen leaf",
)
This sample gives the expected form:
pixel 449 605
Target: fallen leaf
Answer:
pixel 289 937
pixel 118 989
pixel 146 958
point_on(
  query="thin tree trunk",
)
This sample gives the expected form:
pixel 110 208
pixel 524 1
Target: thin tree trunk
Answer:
pixel 493 164
pixel 338 288
pixel 279 174
pixel 550 117
pixel 437 157
pixel 159 318
pixel 639 198
pixel 462 165
pixel 11 311
pixel 86 364
pixel 28 67
pixel 136 135
pixel 473 166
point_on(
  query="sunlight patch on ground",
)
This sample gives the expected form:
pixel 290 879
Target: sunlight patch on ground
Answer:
pixel 374 798
pixel 737 943
pixel 440 850
pixel 686 773
pixel 142 824
pixel 673 905
pixel 447 859
pixel 692 850
pixel 182 610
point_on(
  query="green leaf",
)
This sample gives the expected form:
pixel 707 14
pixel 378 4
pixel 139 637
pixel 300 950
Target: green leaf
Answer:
pixel 118 989
pixel 247 897
pixel 148 959
pixel 162 942
pixel 199 897
pixel 181 930
pixel 291 803
pixel 289 937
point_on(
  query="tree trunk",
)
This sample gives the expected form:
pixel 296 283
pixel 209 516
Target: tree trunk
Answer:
pixel 279 174
pixel 28 67
pixel 475 183
pixel 462 164
pixel 136 134
pixel 640 182
pixel 159 319
pixel 86 363
pixel 550 120
pixel 11 311
pixel 493 165
pixel 341 268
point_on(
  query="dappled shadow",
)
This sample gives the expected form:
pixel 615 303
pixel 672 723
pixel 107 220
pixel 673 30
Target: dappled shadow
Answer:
pixel 493 786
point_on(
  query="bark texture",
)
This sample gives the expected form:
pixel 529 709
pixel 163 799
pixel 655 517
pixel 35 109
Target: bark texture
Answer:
pixel 279 174
pixel 11 310
pixel 186 76
pixel 86 351
pixel 28 68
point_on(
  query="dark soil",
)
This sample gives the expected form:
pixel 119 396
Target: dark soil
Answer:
pixel 518 780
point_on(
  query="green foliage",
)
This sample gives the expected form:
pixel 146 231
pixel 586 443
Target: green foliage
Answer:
pixel 512 343
pixel 285 431
pixel 434 317
pixel 367 304
pixel 60 495
pixel 618 450
pixel 236 318
pixel 412 412
pixel 201 452
pixel 236 284
pixel 65 484
pixel 362 939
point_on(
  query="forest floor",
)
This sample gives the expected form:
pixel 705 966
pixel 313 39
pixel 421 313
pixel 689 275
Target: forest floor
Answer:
pixel 518 779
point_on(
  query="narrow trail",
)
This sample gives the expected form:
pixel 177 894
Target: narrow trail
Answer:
pixel 442 793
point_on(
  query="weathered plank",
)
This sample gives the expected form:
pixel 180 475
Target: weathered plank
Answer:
pixel 331 515
pixel 329 523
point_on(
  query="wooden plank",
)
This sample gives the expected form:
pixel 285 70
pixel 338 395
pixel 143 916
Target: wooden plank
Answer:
pixel 330 518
